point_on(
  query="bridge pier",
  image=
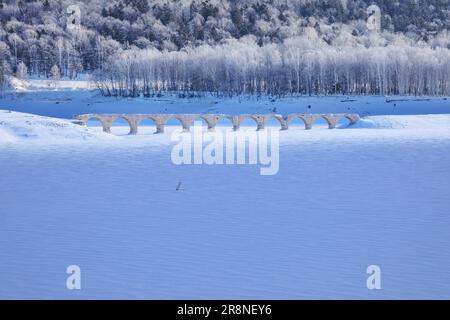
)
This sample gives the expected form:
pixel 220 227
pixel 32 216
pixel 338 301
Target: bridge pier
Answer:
pixel 236 122
pixel 354 118
pixel 283 122
pixel 159 126
pixel 308 122
pixel 260 122
pixel 133 123
pixel 106 123
pixel 211 121
pixel 186 121
pixel 331 120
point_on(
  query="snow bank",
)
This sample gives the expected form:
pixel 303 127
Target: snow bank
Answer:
pixel 23 127
pixel 441 121
pixel 17 84
pixel 16 126
pixel 30 85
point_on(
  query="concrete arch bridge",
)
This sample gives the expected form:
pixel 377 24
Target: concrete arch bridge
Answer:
pixel 187 120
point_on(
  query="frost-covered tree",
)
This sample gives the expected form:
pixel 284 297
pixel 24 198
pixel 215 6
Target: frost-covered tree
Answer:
pixel 55 73
pixel 5 71
pixel 21 70
pixel 300 65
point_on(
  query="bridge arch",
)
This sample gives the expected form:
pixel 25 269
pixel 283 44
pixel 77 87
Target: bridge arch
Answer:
pixel 147 121
pixel 343 122
pixel 151 118
pixel 293 117
pixel 249 120
pixel 131 124
pixel 88 119
pixel 206 122
pixel 225 122
pixel 105 121
pixel 173 120
pixel 235 120
pixel 353 118
pixel 330 119
pixel 275 120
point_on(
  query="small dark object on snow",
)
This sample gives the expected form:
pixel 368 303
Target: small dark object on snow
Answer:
pixel 178 186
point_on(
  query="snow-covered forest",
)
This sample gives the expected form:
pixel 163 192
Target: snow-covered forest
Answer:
pixel 232 47
pixel 299 65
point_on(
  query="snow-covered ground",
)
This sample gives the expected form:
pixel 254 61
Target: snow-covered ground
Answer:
pixel 65 98
pixel 344 199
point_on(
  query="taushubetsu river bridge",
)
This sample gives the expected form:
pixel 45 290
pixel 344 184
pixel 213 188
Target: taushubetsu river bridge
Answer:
pixel 211 120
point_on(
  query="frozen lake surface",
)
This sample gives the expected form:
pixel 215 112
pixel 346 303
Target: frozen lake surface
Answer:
pixel 342 200
pixel 66 98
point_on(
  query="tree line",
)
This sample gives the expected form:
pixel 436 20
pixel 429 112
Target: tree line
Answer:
pixel 302 65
